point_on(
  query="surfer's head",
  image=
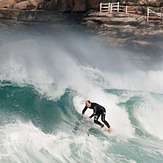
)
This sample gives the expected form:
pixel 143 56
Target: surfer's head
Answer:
pixel 88 103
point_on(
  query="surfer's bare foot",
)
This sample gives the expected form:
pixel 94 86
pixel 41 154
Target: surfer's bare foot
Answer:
pixel 110 130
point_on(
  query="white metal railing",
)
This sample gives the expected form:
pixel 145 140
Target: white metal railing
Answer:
pixel 149 12
pixel 111 7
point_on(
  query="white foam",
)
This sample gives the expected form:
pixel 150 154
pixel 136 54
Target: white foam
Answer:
pixel 136 80
pixel 51 68
pixel 25 143
pixel 149 115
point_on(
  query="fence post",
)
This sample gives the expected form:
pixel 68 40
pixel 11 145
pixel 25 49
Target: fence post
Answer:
pixel 117 6
pixel 100 7
pixel 126 10
pixel 108 6
pixel 147 14
pixel 111 8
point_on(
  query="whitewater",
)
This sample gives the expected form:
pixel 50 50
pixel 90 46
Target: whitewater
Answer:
pixel 44 83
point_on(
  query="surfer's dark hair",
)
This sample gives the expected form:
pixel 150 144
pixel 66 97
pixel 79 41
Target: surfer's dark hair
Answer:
pixel 88 101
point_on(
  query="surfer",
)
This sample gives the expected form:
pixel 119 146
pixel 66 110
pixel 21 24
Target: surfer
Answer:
pixel 97 111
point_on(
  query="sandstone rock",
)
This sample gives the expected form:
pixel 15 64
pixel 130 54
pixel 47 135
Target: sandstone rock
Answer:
pixel 72 5
pixel 155 3
pixel 7 3
pixel 36 3
pixel 17 1
pixel 126 30
pixel 22 5
pixel 83 5
pixel 93 4
pixel 79 5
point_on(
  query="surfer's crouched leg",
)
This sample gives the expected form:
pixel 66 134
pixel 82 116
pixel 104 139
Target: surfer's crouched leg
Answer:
pixel 103 119
pixel 97 122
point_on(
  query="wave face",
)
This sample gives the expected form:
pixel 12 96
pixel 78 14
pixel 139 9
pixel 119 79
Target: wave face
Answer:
pixel 44 84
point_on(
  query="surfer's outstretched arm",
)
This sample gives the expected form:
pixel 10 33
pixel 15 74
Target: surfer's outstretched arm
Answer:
pixel 87 119
pixel 83 111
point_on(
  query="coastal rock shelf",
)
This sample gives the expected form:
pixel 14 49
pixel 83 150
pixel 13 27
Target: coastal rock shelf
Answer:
pixel 38 15
pixel 55 5
pixel 126 30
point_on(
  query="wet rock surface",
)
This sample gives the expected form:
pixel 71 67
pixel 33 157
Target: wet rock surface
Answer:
pixel 128 31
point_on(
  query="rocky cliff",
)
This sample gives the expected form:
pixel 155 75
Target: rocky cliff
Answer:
pixel 56 5
pixel 71 5
pixel 130 31
pixel 154 3
pixel 127 31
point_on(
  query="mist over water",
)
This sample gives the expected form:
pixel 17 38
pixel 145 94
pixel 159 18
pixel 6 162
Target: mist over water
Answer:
pixel 44 83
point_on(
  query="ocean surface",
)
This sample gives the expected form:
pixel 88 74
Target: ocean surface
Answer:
pixel 44 83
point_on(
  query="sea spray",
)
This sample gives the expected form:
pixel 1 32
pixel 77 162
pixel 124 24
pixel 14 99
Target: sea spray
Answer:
pixel 44 84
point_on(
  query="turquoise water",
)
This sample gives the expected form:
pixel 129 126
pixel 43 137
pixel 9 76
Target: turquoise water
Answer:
pixel 42 96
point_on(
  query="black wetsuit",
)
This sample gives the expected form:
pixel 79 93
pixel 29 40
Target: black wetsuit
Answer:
pixel 97 111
